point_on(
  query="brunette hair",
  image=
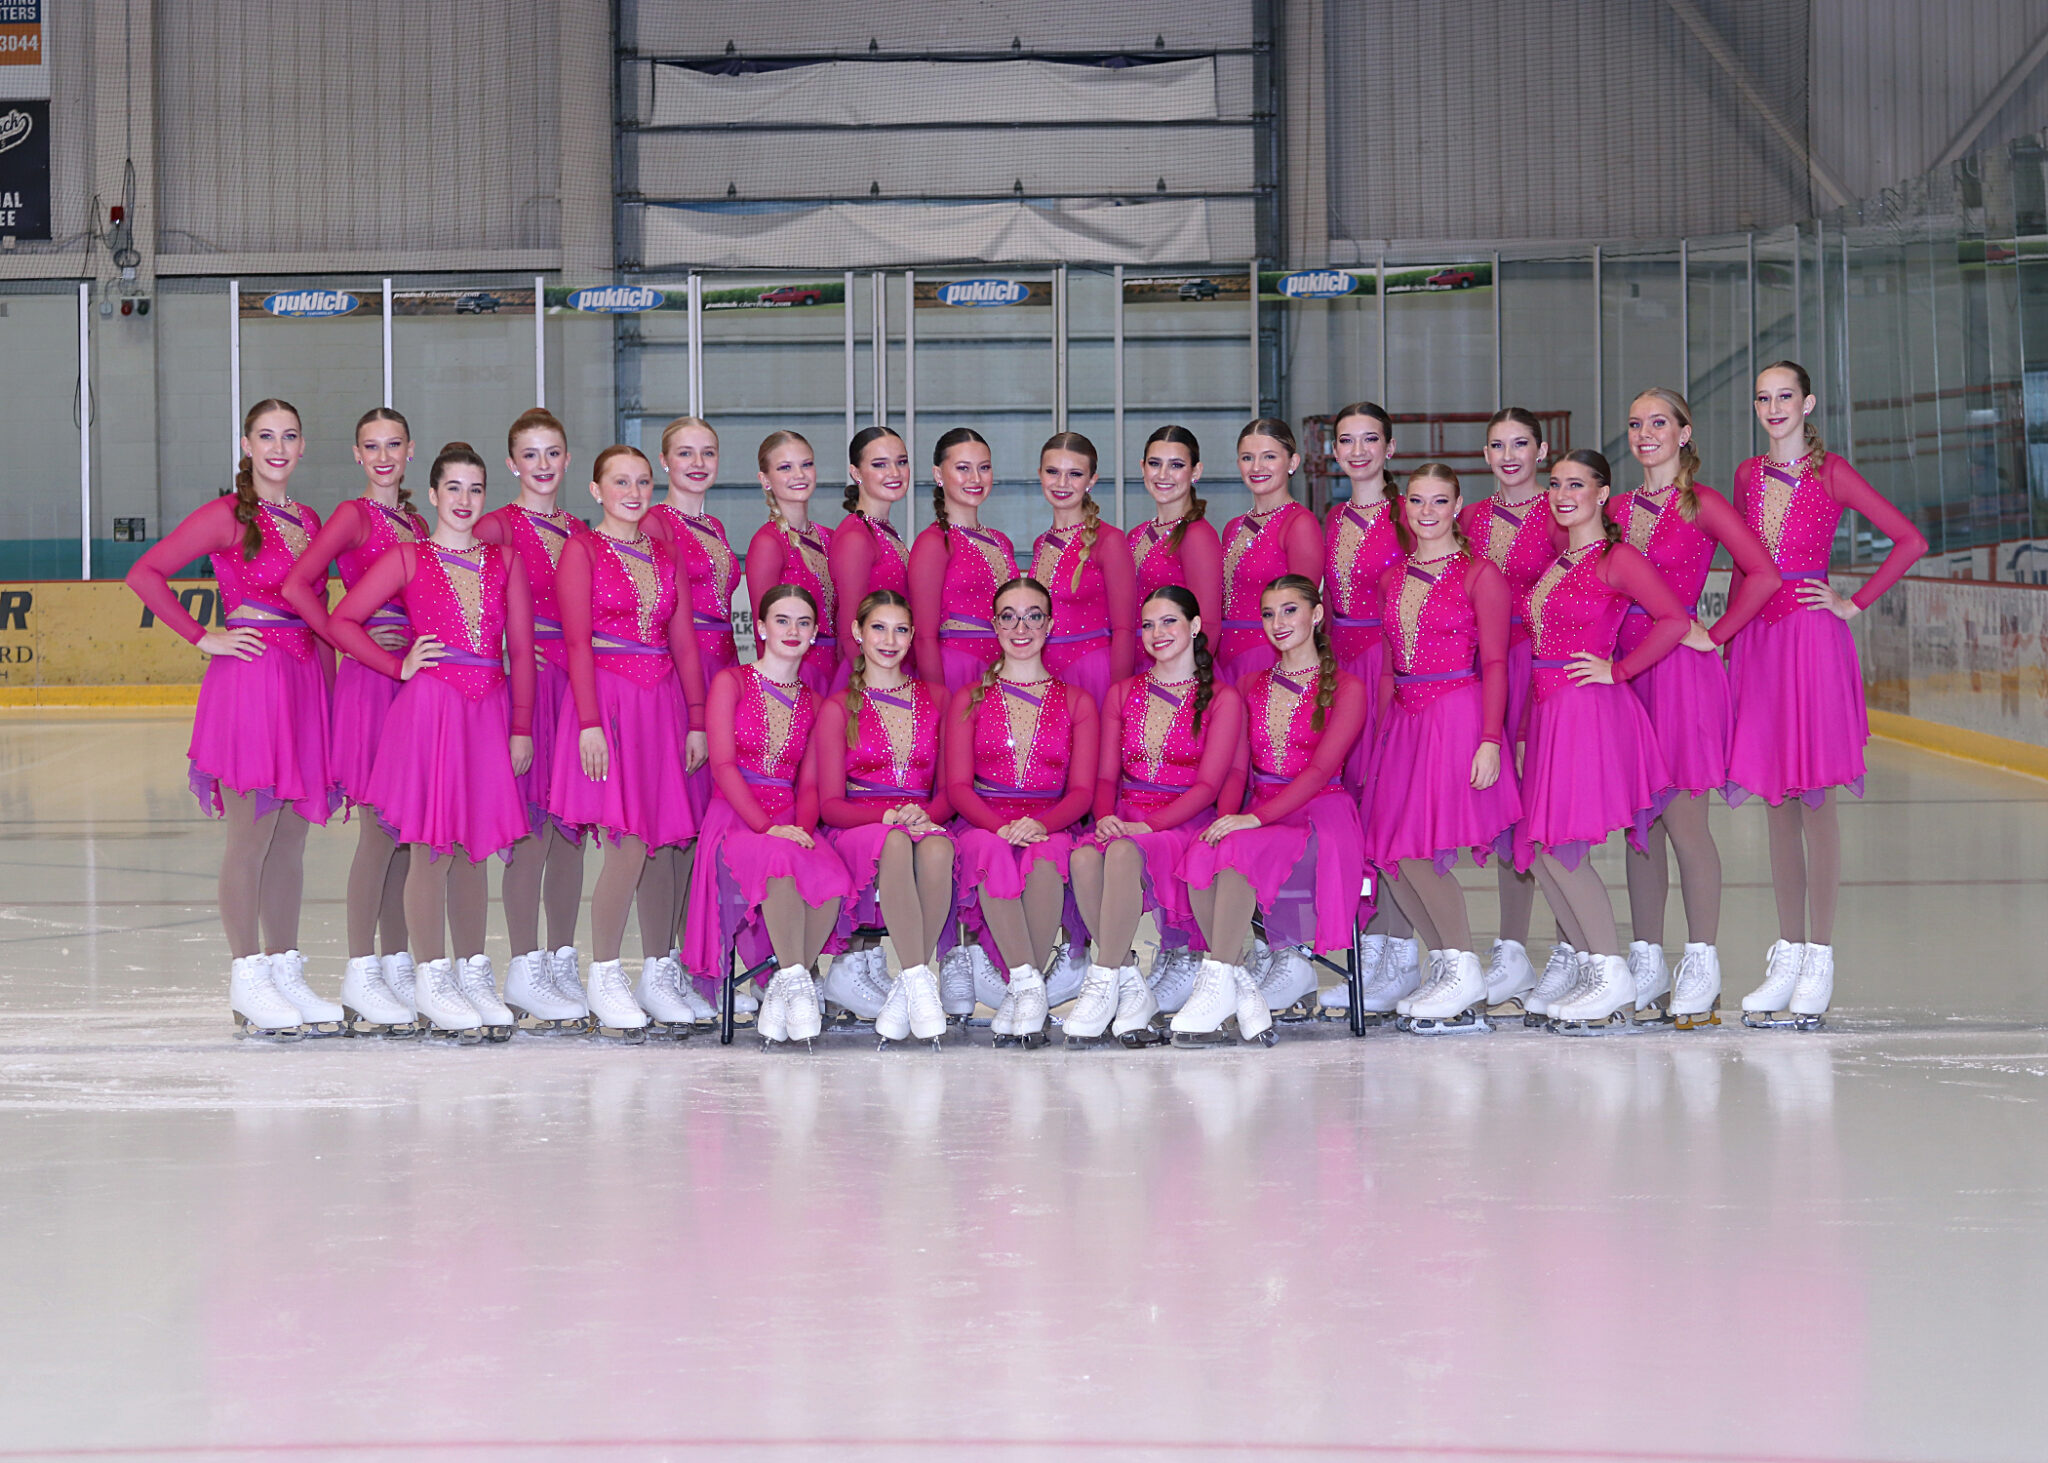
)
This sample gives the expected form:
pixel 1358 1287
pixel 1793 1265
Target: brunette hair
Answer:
pixel 1521 416
pixel 1375 412
pixel 1688 454
pixel 533 419
pixel 769 443
pixel 865 438
pixel 1197 509
pixel 1273 427
pixel 1435 472
pixel 1091 513
pixel 390 414
pixel 683 424
pixel 617 449
pixel 249 507
pixel 990 676
pixel 450 455
pixel 1326 683
pixel 777 593
pixel 959 436
pixel 1184 600
pixel 1588 458
pixel 857 677
pixel 1816 448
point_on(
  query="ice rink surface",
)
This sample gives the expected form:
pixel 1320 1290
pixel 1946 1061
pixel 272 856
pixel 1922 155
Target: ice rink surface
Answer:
pixel 1721 1245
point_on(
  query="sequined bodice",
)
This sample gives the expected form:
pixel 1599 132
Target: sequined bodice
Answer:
pixel 897 745
pixel 1517 538
pixel 1358 545
pixel 1157 564
pixel 538 539
pixel 1433 628
pixel 1681 551
pixel 1795 515
pixel 1159 746
pixel 632 600
pixel 388 526
pixel 1278 710
pixel 979 561
pixel 1077 610
pixel 771 728
pixel 1023 738
pixel 891 566
pixel 1569 609
pixel 1254 555
pixel 804 563
pixel 459 599
pixel 287 530
pixel 700 546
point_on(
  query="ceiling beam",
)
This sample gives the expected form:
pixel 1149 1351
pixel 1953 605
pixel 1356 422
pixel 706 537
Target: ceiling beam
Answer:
pixel 1966 137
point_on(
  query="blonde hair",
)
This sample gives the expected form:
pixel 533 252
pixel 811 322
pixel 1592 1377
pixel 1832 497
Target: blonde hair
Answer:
pixel 857 677
pixel 1435 472
pixel 683 424
pixel 1688 455
pixel 762 453
pixel 1091 512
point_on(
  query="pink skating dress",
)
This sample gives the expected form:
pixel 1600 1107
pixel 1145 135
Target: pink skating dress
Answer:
pixel 1157 769
pixel 764 762
pixel 713 568
pixel 443 773
pixel 538 539
pixel 1591 762
pixel 781 553
pixel 1443 690
pixel 1020 751
pixel 1686 693
pixel 1094 605
pixel 1257 549
pixel 1800 721
pixel 354 537
pixel 1522 540
pixel 1359 546
pixel 261 727
pixel 633 671
pixel 893 763
pixel 954 575
pixel 867 554
pixel 1195 563
pixel 1306 863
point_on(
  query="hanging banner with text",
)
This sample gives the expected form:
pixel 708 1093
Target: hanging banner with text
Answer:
pixel 25 169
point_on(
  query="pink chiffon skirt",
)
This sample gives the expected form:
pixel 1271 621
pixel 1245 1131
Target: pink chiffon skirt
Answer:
pixel 860 849
pixel 1686 697
pixel 1083 663
pixel 716 650
pixel 1423 765
pixel 362 700
pixel 643 794
pixel 964 659
pixel 729 882
pixel 444 771
pixel 260 730
pixel 1358 766
pixel 1166 893
pixel 986 864
pixel 1308 872
pixel 1800 721
pixel 1521 685
pixel 550 691
pixel 1591 765
pixel 1240 665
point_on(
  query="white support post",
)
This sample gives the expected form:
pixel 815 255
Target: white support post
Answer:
pixel 85 430
pixel 847 295
pixel 1059 348
pixel 1500 370
pixel 1685 319
pixel 540 342
pixel 387 342
pixel 1751 280
pixel 878 307
pixel 1253 276
pixel 910 392
pixel 1380 294
pixel 234 374
pixel 1599 360
pixel 1116 369
pixel 695 353
pixel 1798 300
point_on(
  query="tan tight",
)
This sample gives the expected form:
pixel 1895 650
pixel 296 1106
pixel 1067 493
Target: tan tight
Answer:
pixel 1684 827
pixel 1224 911
pixel 1109 886
pixel 376 890
pixel 632 878
pixel 1024 929
pixel 552 859
pixel 262 873
pixel 914 882
pixel 1436 904
pixel 1806 868
pixel 1579 899
pixel 446 896
pixel 797 930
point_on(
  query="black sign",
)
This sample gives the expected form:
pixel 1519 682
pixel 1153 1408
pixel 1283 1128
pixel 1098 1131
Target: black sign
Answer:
pixel 25 169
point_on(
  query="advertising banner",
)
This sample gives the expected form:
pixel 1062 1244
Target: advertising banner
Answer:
pixel 55 636
pixel 25 169
pixel 319 303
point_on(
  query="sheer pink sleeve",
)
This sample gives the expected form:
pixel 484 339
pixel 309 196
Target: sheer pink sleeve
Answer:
pixel 1085 730
pixel 1238 779
pixel 1389 590
pixel 1491 602
pixel 380 583
pixel 305 587
pixel 1120 588
pixel 765 555
pixel 1222 729
pixel 1201 562
pixel 682 648
pixel 850 560
pixel 805 813
pixel 1109 761
pixel 206 530
pixel 518 642
pixel 572 598
pixel 1627 570
pixel 1341 730
pixel 1305 546
pixel 927 603
pixel 1755 578
pixel 721 712
pixel 1849 488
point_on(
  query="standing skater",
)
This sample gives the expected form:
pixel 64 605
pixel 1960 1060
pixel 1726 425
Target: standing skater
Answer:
pixel 1513 528
pixel 1178 544
pixel 546 868
pixel 1443 693
pixel 955 566
pixel 867 553
pixel 1086 563
pixel 1592 763
pixel 882 798
pixel 762 877
pixel 376 994
pixel 1279 536
pixel 637 697
pixel 1676 524
pixel 1021 750
pixel 1800 722
pixel 1168 737
pixel 457 736
pixel 1297 852
pixel 259 734
pixel 790 549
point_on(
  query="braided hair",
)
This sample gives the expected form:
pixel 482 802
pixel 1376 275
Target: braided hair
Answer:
pixel 1816 448
pixel 1688 454
pixel 1436 472
pixel 1326 682
pixel 1184 600
pixel 1374 412
pixel 1198 510
pixel 1586 457
pixel 769 443
pixel 857 677
pixel 992 674
pixel 865 438
pixel 959 436
pixel 1091 512
pixel 248 506
pixel 390 414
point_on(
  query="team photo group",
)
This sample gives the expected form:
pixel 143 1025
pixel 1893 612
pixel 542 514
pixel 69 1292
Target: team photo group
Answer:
pixel 1278 738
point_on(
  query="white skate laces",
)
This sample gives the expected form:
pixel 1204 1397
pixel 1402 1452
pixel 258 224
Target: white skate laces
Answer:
pixel 288 978
pixel 1095 1007
pixel 1781 973
pixel 255 1002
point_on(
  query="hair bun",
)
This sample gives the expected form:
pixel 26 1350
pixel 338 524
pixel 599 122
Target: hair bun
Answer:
pixel 448 447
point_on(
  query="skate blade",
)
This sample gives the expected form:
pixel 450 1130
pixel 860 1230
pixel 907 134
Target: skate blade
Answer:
pixel 1372 1019
pixel 1267 1036
pixel 360 1025
pixel 671 1030
pixel 1654 1016
pixel 1030 1041
pixel 1783 1021
pixel 1699 1021
pixel 1152 1033
pixel 1202 1040
pixel 630 1035
pixel 1332 1013
pixel 325 1028
pixel 545 1026
pixel 249 1032
pixel 1614 1025
pixel 499 1035
pixel 1507 1007
pixel 458 1036
pixel 1101 1041
pixel 1471 1023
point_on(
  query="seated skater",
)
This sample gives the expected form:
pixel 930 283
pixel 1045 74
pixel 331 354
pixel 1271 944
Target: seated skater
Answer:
pixel 630 732
pixel 456 739
pixel 1021 753
pixel 760 868
pixel 1300 836
pixel 883 801
pixel 1443 692
pixel 1168 737
pixel 1592 762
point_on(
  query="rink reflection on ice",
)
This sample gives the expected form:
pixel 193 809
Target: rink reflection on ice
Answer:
pixel 1717 1244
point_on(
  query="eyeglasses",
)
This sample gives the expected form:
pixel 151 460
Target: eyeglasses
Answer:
pixel 1032 619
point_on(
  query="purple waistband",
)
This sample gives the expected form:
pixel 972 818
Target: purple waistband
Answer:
pixel 1516 620
pixel 451 656
pixel 1077 636
pixel 381 620
pixel 863 787
pixel 546 629
pixel 1802 573
pixel 1459 675
pixel 762 779
pixel 607 644
pixel 1692 610
pixel 701 621
pixel 1345 622
pixel 1550 665
pixel 1244 624
pixel 239 621
pixel 1127 783
pixel 999 790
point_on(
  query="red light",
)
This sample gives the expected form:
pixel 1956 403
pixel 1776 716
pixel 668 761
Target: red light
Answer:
pixel 127 307
pixel 117 213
